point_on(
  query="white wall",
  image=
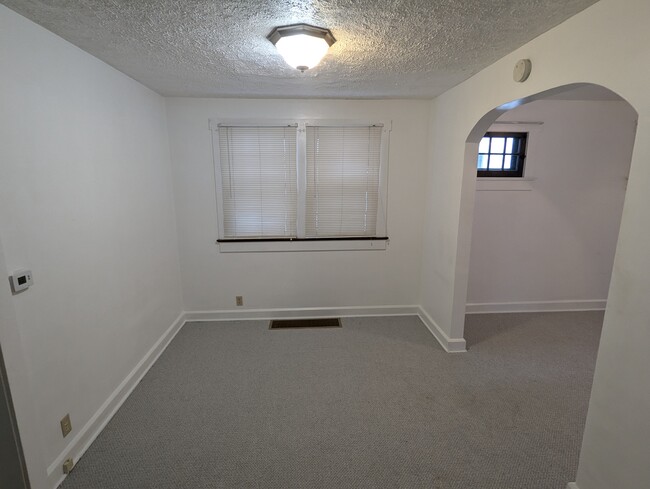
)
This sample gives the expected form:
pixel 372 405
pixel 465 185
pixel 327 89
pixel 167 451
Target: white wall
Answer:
pixel 607 44
pixel 296 279
pixel 86 203
pixel 550 242
pixel 20 384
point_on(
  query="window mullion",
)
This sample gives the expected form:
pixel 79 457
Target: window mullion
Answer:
pixel 301 179
pixel 383 183
pixel 216 151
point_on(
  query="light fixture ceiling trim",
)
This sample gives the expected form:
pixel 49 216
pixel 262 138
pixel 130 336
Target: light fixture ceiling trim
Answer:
pixel 295 29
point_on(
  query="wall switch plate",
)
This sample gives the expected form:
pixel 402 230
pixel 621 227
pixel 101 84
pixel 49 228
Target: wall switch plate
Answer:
pixel 239 300
pixel 68 465
pixel 66 425
pixel 21 280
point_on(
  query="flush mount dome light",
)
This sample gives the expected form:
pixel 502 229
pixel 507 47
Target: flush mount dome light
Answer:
pixel 302 45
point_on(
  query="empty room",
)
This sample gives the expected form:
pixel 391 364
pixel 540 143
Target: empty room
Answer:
pixel 324 244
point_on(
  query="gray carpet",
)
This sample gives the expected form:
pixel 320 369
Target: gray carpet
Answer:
pixel 376 404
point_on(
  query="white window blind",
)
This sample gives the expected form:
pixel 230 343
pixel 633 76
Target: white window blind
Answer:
pixel 258 181
pixel 343 167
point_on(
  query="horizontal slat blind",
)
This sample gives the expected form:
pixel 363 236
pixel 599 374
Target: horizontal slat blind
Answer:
pixel 258 179
pixel 342 181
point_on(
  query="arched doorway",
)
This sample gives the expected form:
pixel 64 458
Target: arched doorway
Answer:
pixel 470 168
pixel 548 206
pixel 574 274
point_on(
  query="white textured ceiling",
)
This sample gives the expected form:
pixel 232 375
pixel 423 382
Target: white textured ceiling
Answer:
pixel 385 48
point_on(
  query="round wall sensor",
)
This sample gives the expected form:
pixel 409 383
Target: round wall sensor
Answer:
pixel 522 70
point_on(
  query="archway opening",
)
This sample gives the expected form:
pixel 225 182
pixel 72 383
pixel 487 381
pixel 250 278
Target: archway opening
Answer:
pixel 541 244
pixel 551 182
pixel 601 133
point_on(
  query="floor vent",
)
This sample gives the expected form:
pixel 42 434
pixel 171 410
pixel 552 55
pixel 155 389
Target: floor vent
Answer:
pixel 305 323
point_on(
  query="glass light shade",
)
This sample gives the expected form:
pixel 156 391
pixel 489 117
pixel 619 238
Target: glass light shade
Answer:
pixel 302 51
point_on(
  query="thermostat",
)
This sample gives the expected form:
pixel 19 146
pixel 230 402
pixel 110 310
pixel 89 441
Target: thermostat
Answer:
pixel 21 280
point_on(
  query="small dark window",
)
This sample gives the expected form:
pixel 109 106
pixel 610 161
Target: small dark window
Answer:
pixel 502 154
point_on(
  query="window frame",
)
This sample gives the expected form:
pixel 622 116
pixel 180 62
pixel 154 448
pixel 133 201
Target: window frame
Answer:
pixel 301 242
pixel 509 174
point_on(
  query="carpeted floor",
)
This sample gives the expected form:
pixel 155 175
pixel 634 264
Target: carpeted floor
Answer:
pixel 375 404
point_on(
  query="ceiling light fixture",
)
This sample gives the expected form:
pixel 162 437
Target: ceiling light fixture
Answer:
pixel 302 45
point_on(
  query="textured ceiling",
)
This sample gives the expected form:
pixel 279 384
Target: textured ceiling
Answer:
pixel 385 48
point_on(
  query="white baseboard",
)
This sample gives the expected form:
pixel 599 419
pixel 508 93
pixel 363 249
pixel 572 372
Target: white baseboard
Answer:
pixel 451 345
pixel 301 313
pixel 572 485
pixel 538 306
pixel 80 443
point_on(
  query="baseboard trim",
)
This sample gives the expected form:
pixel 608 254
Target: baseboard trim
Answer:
pixel 572 485
pixel 300 313
pixel 538 306
pixel 451 345
pixel 80 443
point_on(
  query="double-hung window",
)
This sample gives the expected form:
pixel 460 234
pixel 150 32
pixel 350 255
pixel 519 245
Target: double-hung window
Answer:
pixel 301 185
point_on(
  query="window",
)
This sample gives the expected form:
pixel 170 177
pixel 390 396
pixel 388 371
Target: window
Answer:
pixel 258 181
pixel 502 154
pixel 300 182
pixel 342 181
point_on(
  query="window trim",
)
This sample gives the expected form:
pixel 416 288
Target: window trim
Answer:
pixel 506 174
pixel 301 242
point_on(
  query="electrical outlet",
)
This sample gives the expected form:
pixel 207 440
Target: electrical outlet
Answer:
pixel 66 425
pixel 68 465
pixel 239 300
